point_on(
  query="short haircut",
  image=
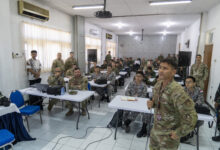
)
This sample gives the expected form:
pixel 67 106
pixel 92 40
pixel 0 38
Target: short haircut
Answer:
pixel 191 77
pixel 140 72
pixel 170 62
pixel 97 67
pixel 199 55
pixel 33 51
pixel 77 68
pixel 109 66
pixel 71 52
pixel 149 67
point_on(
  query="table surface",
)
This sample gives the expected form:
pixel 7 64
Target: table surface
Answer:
pixel 79 97
pixel 122 72
pixel 141 106
pixel 10 109
pixel 92 83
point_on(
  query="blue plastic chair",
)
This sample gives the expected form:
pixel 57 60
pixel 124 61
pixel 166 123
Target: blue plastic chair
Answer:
pixel 89 87
pixel 6 138
pixel 17 98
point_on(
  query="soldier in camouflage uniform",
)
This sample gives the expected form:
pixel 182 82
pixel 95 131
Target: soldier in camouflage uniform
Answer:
pixel 114 68
pixel 58 63
pixel 160 58
pixel 194 92
pixel 110 76
pixel 53 80
pixel 70 62
pixel 199 71
pixel 92 69
pixel 174 112
pixel 136 88
pixel 78 82
pixel 70 72
pixel 217 107
pixel 108 57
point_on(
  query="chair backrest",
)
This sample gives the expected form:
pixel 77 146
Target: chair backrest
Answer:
pixel 17 98
pixel 89 87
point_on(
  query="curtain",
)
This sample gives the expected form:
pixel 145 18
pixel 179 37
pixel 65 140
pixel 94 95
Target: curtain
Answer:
pixel 47 41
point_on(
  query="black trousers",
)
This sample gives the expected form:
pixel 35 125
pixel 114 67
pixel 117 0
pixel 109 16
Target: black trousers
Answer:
pixel 35 100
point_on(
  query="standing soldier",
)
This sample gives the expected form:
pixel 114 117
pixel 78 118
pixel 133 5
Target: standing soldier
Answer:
pixel 70 62
pixel 174 112
pixel 217 107
pixel 58 63
pixel 54 80
pixel 199 71
pixel 78 82
pixel 108 57
pixel 34 71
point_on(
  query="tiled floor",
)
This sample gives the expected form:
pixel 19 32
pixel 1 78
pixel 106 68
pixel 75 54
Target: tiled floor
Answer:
pixel 56 125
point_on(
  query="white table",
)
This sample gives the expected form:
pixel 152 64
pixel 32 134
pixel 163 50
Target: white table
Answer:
pixel 103 71
pixel 151 79
pixel 118 77
pixel 10 109
pixel 123 73
pixel 78 98
pixel 141 106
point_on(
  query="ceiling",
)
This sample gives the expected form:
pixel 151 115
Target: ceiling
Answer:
pixel 138 15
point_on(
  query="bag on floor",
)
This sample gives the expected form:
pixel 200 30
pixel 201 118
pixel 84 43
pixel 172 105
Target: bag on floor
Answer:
pixel 113 122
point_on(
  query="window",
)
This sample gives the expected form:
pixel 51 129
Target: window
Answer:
pixel 48 42
pixel 111 46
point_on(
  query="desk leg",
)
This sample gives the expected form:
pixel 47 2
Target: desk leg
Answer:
pixel 87 111
pixel 197 138
pixel 116 128
pixel 77 123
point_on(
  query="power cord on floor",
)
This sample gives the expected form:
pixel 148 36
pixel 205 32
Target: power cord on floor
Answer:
pixel 102 139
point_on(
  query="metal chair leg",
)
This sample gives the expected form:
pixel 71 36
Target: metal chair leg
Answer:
pixel 41 121
pixel 27 123
pixel 12 147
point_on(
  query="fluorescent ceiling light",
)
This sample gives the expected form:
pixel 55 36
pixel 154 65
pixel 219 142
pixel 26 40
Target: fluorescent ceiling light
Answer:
pixel 164 32
pixel 120 25
pixel 168 24
pixel 169 2
pixel 88 7
pixel 131 33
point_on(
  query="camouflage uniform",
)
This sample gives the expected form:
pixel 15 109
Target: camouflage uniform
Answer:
pixel 53 81
pixel 174 111
pixel 196 95
pixel 58 63
pixel 108 57
pixel 92 70
pixel 160 58
pixel 69 72
pixel 110 87
pixel 69 63
pixel 200 73
pixel 137 91
pixel 217 100
pixel 74 84
pixel 115 70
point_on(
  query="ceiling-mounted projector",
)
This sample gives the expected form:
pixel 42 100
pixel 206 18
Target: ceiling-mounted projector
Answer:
pixel 103 14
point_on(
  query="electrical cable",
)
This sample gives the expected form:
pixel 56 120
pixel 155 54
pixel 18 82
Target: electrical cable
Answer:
pixel 102 139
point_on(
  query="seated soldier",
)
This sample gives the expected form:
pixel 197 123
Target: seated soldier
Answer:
pixel 136 88
pixel 149 73
pixel 110 76
pixel 114 68
pixel 217 107
pixel 194 92
pixel 96 76
pixel 70 72
pixel 53 80
pixel 77 82
pixel 104 65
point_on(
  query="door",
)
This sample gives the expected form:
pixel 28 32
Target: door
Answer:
pixel 207 60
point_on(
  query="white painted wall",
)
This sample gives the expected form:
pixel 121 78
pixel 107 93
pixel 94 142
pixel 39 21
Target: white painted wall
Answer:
pixel 13 72
pixel 151 47
pixel 191 33
pixel 214 23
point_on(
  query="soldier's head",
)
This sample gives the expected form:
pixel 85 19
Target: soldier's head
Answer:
pixel 190 82
pixel 105 62
pixel 94 64
pixel 74 66
pixel 109 52
pixel 113 64
pixel 57 71
pixel 139 76
pixel 59 55
pixel 71 54
pixel 97 69
pixel 149 69
pixel 198 59
pixel 34 54
pixel 109 68
pixel 77 72
pixel 167 69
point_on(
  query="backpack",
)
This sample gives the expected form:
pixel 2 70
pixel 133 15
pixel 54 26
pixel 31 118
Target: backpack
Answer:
pixel 101 81
pixel 56 90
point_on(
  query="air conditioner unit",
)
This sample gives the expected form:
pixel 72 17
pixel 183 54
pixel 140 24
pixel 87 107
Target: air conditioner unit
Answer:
pixel 32 11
